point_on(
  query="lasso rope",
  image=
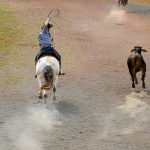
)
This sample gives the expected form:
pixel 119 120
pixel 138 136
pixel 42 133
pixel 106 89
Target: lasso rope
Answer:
pixel 53 14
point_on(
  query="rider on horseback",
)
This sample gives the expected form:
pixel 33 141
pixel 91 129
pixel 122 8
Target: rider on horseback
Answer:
pixel 45 43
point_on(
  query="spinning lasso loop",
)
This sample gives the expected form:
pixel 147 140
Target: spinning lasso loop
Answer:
pixel 53 14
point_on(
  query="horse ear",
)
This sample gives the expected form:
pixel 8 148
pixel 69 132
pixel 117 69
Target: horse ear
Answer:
pixel 144 50
pixel 132 50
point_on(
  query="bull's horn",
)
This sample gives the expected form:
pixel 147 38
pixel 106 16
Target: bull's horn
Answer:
pixel 132 50
pixel 144 50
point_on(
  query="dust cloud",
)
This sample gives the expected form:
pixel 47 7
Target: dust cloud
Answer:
pixel 117 15
pixel 26 132
pixel 131 117
pixel 133 103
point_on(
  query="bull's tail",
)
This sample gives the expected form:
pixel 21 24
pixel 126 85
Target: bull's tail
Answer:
pixel 129 66
pixel 132 63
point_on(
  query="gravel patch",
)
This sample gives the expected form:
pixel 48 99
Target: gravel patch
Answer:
pixel 140 9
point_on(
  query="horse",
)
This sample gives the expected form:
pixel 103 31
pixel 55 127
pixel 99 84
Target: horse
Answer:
pixel 123 3
pixel 47 70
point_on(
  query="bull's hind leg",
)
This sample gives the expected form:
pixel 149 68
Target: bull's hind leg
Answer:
pixel 133 85
pixel 133 77
pixel 143 78
pixel 136 80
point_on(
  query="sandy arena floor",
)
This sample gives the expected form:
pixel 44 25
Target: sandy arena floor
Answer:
pixel 95 107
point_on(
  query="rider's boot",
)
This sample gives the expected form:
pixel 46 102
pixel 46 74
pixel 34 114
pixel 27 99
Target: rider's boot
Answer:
pixel 60 71
pixel 35 74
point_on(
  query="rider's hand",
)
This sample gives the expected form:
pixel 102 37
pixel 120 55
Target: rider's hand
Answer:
pixel 47 21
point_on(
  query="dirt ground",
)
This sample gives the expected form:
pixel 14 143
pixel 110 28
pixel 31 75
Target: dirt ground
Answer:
pixel 95 107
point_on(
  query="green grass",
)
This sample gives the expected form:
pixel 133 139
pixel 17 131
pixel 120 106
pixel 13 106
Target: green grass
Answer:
pixel 18 44
pixel 9 34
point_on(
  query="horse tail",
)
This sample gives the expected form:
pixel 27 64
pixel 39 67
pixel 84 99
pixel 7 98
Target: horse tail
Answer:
pixel 47 72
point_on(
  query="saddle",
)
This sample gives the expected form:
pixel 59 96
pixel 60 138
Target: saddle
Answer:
pixel 50 53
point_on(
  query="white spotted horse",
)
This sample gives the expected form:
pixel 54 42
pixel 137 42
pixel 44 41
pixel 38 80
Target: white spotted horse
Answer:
pixel 47 70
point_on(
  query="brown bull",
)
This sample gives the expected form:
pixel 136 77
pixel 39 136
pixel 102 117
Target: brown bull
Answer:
pixel 135 64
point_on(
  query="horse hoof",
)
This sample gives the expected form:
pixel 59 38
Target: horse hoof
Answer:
pixel 40 97
pixel 45 95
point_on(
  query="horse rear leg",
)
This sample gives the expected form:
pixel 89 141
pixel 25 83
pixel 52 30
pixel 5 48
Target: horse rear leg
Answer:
pixel 45 95
pixel 40 94
pixel 54 90
pixel 54 86
pixel 40 87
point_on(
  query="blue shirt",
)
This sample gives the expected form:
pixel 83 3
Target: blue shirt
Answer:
pixel 44 37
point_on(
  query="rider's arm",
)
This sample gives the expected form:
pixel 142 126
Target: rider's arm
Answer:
pixel 45 30
pixel 47 21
